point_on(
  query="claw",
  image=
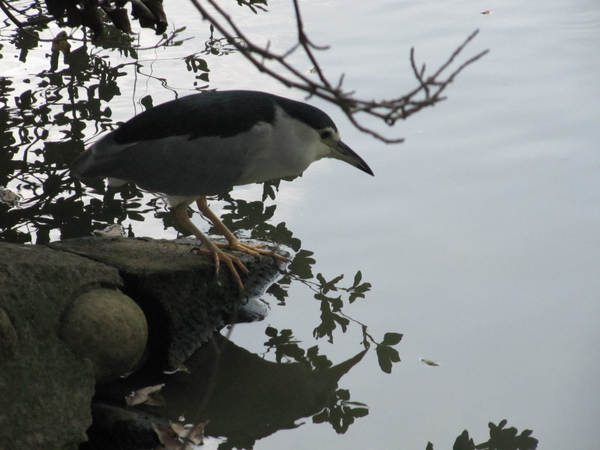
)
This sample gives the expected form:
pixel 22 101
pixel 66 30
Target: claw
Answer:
pixel 254 250
pixel 230 261
pixel 213 249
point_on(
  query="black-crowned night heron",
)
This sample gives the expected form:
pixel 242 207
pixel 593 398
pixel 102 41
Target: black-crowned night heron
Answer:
pixel 205 144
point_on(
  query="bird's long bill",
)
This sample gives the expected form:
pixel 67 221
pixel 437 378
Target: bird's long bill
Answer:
pixel 345 153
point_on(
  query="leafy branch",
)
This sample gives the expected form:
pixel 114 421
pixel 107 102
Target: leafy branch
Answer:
pixel 500 439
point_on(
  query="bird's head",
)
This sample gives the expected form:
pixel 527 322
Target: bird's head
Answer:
pixel 330 137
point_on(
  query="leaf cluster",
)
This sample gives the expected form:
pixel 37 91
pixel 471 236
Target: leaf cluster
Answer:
pixel 501 438
pixel 341 412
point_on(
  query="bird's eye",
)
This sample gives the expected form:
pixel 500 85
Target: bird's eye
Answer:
pixel 325 135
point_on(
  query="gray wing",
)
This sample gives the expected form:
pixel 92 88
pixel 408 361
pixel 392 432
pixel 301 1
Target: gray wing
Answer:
pixel 175 165
pixel 196 145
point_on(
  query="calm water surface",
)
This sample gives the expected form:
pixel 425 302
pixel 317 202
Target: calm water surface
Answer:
pixel 479 234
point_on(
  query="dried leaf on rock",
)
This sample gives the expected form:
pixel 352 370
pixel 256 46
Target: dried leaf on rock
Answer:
pixel 145 396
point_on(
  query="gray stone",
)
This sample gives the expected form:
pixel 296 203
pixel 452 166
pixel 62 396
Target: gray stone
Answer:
pixel 184 302
pixel 109 329
pixel 45 388
pixel 74 313
pixel 8 338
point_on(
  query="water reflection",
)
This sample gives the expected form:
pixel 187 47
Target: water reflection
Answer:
pixel 229 393
pixel 74 100
pixel 41 135
pixel 244 396
pixel 249 398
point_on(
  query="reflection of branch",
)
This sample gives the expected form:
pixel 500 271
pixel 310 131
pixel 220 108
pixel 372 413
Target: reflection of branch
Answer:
pixel 427 93
pixel 277 65
pixel 23 27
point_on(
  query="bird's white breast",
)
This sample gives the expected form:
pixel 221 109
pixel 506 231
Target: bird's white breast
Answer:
pixel 282 149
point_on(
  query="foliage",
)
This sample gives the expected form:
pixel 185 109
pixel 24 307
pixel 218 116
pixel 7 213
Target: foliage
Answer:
pixel 500 439
pixel 340 413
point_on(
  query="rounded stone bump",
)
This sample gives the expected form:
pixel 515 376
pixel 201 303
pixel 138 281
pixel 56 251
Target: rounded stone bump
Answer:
pixel 108 328
pixel 8 338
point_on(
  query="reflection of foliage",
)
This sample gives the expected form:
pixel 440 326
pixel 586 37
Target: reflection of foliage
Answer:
pixel 386 355
pixel 36 163
pixel 341 412
pixel 332 296
pixel 94 15
pixel 507 439
pixel 220 46
pixel 254 217
pixel 500 439
pixel 331 307
pixel 287 349
pixel 196 64
pixel 24 42
pixel 107 20
pixel 45 127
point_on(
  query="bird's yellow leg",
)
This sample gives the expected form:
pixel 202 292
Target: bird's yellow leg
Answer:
pixel 233 242
pixel 211 248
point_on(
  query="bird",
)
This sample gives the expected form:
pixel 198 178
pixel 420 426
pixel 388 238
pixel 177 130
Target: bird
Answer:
pixel 206 143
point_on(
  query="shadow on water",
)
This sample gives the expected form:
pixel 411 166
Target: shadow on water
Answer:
pixel 239 395
pixel 45 123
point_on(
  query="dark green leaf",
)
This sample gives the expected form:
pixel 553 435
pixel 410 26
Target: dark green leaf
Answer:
pixel 321 417
pixel 360 412
pixel 464 442
pixel 271 332
pixel 383 358
pixel 357 279
pixel 391 338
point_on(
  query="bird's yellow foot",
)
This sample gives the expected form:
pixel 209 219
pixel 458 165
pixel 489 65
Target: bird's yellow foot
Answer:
pixel 254 250
pixel 230 261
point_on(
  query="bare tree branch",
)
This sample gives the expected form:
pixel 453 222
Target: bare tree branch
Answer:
pixel 427 93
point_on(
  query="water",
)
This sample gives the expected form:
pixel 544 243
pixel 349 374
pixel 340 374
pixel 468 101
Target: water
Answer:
pixel 479 234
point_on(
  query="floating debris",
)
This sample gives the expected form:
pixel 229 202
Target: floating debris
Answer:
pixel 145 396
pixel 430 362
pixel 178 368
pixel 179 437
pixel 114 230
